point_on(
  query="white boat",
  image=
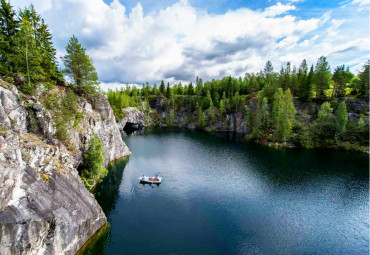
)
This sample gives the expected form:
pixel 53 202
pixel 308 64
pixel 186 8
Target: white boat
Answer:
pixel 150 179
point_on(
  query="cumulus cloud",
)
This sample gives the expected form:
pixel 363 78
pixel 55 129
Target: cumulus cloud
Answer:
pixel 181 42
pixel 278 9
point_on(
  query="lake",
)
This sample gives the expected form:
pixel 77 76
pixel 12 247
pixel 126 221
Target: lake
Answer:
pixel 223 196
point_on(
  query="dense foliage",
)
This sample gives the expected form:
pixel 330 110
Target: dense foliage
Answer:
pixel 26 48
pixel 79 68
pixel 93 162
pixel 28 57
pixel 269 100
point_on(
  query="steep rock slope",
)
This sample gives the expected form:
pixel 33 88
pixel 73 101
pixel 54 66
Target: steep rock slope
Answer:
pixel 44 206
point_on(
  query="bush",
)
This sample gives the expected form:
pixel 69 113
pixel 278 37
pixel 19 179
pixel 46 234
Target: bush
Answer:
pixel 9 80
pixel 93 161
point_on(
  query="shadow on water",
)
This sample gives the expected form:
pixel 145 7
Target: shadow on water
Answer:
pixel 107 192
pixel 277 163
pixel 263 199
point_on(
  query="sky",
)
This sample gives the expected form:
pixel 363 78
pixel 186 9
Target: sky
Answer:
pixel 132 42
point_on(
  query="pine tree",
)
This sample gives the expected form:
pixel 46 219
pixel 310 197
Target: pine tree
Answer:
pixel 9 28
pixel 199 84
pixel 268 67
pixel 48 53
pixel 79 67
pixel 191 89
pixel 162 88
pixel 30 58
pixel 322 77
pixel 305 82
pixel 168 90
pixel 180 89
pixel 285 77
pixel 294 82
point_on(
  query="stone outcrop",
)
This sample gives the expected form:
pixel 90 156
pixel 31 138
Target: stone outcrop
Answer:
pixel 44 205
pixel 134 116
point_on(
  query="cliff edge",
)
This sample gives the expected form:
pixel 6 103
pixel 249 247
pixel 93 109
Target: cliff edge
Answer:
pixel 44 205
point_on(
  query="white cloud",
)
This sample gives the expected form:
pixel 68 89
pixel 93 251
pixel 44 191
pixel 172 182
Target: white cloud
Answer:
pixel 278 9
pixel 181 42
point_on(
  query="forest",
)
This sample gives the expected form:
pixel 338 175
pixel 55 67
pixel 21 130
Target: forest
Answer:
pixel 269 100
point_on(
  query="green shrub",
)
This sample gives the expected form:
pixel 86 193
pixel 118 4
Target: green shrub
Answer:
pixel 93 160
pixel 9 80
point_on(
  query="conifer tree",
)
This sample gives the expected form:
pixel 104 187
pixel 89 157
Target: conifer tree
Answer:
pixel 168 90
pixel 9 28
pixel 48 53
pixel 79 67
pixel 191 89
pixel 180 89
pixel 305 82
pixel 322 77
pixel 199 86
pixel 162 88
pixel 30 58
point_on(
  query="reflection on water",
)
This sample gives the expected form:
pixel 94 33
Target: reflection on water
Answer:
pixel 107 193
pixel 222 196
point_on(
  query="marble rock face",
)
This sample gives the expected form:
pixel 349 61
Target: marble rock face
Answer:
pixel 44 205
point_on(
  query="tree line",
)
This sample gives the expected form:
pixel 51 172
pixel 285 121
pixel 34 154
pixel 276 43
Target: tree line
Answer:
pixel 268 100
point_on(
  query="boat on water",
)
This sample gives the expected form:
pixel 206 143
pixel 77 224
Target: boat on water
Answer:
pixel 151 179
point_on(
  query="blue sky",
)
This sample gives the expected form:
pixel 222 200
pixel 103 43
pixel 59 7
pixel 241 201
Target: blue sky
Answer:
pixel 176 40
pixel 309 8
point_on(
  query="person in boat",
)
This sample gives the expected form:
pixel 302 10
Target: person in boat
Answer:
pixel 157 177
pixel 143 178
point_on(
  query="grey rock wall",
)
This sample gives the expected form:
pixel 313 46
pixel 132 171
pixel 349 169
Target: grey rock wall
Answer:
pixel 44 205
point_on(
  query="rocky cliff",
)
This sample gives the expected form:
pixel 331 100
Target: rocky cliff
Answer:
pixel 160 117
pixel 44 206
pixel 233 122
pixel 133 116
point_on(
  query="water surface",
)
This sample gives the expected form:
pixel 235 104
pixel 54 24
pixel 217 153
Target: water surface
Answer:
pixel 224 197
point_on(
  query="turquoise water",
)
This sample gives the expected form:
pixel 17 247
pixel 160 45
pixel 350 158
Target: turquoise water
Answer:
pixel 220 196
